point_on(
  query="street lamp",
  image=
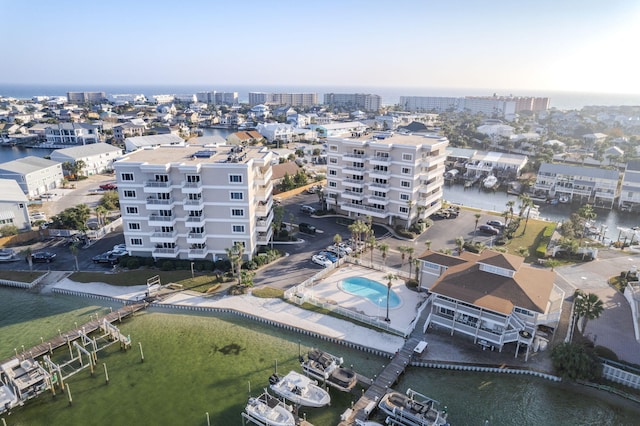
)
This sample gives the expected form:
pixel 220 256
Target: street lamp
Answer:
pixel 192 274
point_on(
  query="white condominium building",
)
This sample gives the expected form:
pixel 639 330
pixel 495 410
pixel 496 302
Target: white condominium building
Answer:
pixel 394 178
pixel 193 202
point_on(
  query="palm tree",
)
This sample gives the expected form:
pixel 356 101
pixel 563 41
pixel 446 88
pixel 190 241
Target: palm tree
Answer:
pixel 101 213
pixel 74 252
pixel 371 242
pixel 460 244
pixel 27 255
pixel 510 205
pixel 389 278
pixel 428 244
pixel 234 254
pixel 409 207
pixel 587 306
pixel 384 250
pixel 337 239
pixel 477 216
pixel 403 254
pixel 410 250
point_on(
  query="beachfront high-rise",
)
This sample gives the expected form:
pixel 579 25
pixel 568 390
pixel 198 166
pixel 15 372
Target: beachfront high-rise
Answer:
pixel 193 202
pixel 394 178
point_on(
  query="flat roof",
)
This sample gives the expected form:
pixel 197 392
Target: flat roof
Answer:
pixel 196 154
pixel 391 138
pixel 11 191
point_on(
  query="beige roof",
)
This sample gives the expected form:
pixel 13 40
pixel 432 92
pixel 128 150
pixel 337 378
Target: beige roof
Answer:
pixel 278 170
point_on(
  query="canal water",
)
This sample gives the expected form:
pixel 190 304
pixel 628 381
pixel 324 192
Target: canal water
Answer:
pixel 195 364
pixel 609 221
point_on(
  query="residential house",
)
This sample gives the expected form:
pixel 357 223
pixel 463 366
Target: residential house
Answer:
pixel 125 130
pixel 150 141
pixel 72 134
pixel 97 157
pixel 630 190
pixel 277 132
pixel 249 137
pixel 13 205
pixel 194 202
pixel 340 130
pixel 499 164
pixel 34 175
pixel 493 298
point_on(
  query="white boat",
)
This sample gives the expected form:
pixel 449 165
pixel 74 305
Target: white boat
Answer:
pixel 413 409
pixel 299 389
pixel 268 410
pixel 8 398
pixel 490 182
pixel 328 368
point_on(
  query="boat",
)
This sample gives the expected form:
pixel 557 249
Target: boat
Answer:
pixel 8 398
pixel 328 368
pixel 413 409
pixel 299 389
pixel 490 182
pixel 367 423
pixel 268 410
pixel 563 199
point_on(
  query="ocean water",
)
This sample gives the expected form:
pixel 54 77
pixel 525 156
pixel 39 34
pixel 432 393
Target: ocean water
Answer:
pixel 390 95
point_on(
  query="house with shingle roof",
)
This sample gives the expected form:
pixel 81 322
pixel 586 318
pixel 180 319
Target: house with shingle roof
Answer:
pixel 493 298
pixel 245 137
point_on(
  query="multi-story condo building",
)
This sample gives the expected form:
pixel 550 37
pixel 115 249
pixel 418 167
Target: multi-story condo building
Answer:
pixel 293 99
pixel 97 157
pixel 86 97
pixel 367 102
pixel 35 175
pixel 490 105
pixel 13 205
pixel 193 202
pixel 630 190
pixel 430 103
pixel 164 99
pixel 125 130
pixel 394 178
pixel 72 134
pixel 492 298
pixel 586 185
pixel 218 98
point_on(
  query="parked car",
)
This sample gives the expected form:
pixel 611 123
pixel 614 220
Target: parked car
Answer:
pixel 109 187
pixel 307 210
pixel 307 228
pixel 331 256
pixel 43 256
pixel 312 189
pixel 495 223
pixel 106 257
pixel 339 251
pixel 36 216
pixel 488 229
pixel 321 260
pixel 120 247
pixel 345 247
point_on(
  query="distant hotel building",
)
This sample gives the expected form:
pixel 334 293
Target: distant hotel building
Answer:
pixel 86 97
pixel 394 178
pixel 218 98
pixel 489 105
pixel 293 99
pixel 367 102
pixel 193 202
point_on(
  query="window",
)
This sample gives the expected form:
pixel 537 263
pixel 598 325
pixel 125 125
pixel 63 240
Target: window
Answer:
pixel 333 184
pixel 136 241
pixel 241 243
pixel 404 210
pixel 129 193
pixel 238 229
pixel 237 212
pixel 406 170
pixel 333 160
pixel 404 197
pixel 193 178
pixel 132 210
pixel 126 176
pixel 333 148
pixel 407 157
pixel 333 172
pixel 235 178
pixel 237 196
pixel 405 184
pixel 134 226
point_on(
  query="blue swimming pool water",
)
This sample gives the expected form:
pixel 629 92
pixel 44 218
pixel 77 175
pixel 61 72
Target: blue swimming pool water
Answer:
pixel 372 290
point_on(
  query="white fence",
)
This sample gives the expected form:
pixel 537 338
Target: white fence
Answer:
pixel 21 284
pixel 621 376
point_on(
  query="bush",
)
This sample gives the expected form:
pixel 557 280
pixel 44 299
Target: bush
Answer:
pixel 133 263
pixel 412 283
pixel 543 243
pixel 607 353
pixel 167 265
pixel 8 230
pixel 404 233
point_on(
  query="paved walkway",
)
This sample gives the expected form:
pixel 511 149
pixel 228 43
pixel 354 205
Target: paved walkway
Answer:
pixel 614 328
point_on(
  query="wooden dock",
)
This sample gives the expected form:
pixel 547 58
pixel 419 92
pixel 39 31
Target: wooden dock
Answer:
pixel 63 338
pixel 382 383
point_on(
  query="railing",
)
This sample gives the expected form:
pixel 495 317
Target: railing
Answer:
pixel 353 181
pixel 159 202
pixel 191 185
pixel 380 186
pixel 164 234
pixel 195 219
pixel 202 252
pixel 164 250
pixel 381 159
pixel 155 218
pixel 157 184
pixel 196 235
pixel 385 173
pixel 191 202
pixel 352 155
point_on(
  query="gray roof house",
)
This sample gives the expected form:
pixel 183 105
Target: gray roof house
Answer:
pixel 13 205
pixel 34 175
pixel 97 157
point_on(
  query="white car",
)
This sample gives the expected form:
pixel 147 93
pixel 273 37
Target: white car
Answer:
pixel 321 260
pixel 120 247
pixel 345 247
pixel 38 216
pixel 340 251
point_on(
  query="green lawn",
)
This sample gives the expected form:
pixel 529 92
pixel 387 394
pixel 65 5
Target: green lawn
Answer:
pixel 200 282
pixel 528 240
pixel 21 276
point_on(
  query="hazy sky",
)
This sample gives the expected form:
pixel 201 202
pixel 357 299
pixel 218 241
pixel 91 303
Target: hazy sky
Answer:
pixel 569 45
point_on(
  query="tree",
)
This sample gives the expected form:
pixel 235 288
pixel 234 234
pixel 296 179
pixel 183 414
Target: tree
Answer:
pixel 587 307
pixel 575 362
pixel 389 278
pixel 234 254
pixel 74 252
pixel 27 255
pixel 8 230
pixel 384 251
pixel 321 198
pixel 522 251
pixel 428 244
pixel 410 250
pixel 371 242
pixel 101 214
pixel 477 216
pixel 287 183
pixel 110 201
pixel 460 244
pixel 410 204
pixel 337 239
pixel 403 254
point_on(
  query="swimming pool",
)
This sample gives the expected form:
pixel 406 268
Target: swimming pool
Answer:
pixel 370 289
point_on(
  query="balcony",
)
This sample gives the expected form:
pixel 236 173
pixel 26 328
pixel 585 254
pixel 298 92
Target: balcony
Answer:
pixel 158 204
pixel 263 209
pixel 191 187
pixel 379 186
pixel 379 174
pixel 264 223
pixel 264 178
pixel 374 199
pixel 196 238
pixel 380 161
pixel 264 192
pixel 190 204
pixel 194 221
pixel 351 195
pixel 154 186
pixel 353 182
pixel 157 220
pixel 359 171
pixel 166 252
pixel 164 237
pixel 352 156
pixel 200 253
pixel 358 208
pixel 264 238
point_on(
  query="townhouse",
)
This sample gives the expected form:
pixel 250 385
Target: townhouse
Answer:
pixel 193 202
pixel 13 205
pixel 493 298
pixel 34 175
pixel 394 178
pixel 630 188
pixel 97 157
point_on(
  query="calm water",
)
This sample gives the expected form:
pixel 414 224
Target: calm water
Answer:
pixel 10 153
pixel 372 290
pixel 607 220
pixel 198 364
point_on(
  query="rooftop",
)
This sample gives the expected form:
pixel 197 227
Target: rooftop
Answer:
pixel 396 139
pixel 197 154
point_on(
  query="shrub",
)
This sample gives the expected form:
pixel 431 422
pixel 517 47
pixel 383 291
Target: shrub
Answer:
pixel 167 265
pixel 149 262
pixel 412 283
pixel 8 230
pixel 607 353
pixel 403 232
pixel 544 239
pixel 133 263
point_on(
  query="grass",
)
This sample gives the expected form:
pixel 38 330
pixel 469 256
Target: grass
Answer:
pixel 528 239
pixel 199 282
pixel 21 276
pixel 268 293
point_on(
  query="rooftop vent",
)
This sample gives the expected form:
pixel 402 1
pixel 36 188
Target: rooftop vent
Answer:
pixel 206 153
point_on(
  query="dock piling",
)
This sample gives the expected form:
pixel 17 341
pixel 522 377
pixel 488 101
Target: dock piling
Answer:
pixel 106 373
pixel 69 394
pixel 141 353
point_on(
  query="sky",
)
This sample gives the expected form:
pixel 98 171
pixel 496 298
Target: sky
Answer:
pixel 558 45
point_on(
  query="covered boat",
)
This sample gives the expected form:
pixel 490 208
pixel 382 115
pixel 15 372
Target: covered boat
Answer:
pixel 268 410
pixel 299 389
pixel 490 182
pixel 413 409
pixel 328 368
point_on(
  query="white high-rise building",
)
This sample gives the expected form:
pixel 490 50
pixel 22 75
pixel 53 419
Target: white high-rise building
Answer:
pixel 193 202
pixel 394 178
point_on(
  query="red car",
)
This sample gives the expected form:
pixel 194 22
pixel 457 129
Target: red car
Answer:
pixel 109 187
